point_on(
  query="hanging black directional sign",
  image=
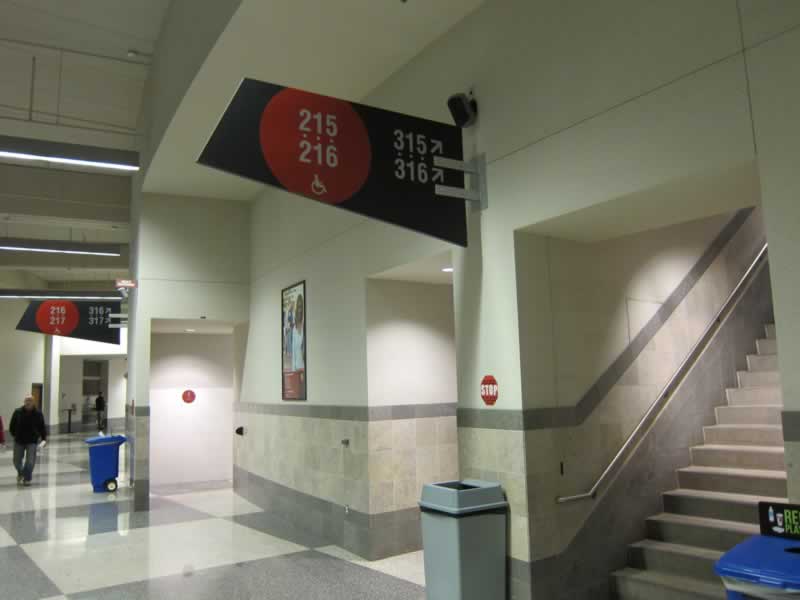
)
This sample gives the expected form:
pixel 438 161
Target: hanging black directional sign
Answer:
pixel 779 520
pixel 371 161
pixel 86 320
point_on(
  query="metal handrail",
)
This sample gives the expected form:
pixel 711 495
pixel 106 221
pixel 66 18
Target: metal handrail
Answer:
pixel 676 379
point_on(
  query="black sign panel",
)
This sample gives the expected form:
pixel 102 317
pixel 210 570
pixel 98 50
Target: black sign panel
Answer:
pixel 779 520
pixel 86 320
pixel 371 161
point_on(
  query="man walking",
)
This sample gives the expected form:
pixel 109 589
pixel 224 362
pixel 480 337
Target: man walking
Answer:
pixel 100 407
pixel 27 427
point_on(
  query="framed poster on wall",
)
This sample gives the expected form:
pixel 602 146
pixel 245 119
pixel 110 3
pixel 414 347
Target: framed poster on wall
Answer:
pixel 293 350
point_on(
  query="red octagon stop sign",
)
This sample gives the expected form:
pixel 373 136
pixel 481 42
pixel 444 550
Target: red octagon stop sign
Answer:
pixel 489 390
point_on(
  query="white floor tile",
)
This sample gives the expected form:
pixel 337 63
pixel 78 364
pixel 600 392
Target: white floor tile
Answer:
pixel 6 539
pixel 410 567
pixel 42 498
pixel 219 503
pixel 41 468
pixel 112 558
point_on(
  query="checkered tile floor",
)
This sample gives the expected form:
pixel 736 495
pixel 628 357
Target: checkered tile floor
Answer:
pixel 60 540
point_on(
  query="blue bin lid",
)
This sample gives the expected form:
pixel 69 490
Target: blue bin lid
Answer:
pixel 765 561
pixel 106 439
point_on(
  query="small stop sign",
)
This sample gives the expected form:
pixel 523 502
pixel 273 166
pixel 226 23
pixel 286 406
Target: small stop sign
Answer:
pixel 489 390
pixel 189 396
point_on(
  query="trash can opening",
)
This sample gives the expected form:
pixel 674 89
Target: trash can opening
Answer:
pixel 793 550
pixel 457 485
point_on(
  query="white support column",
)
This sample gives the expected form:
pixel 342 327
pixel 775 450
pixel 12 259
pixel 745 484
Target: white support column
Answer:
pixel 775 87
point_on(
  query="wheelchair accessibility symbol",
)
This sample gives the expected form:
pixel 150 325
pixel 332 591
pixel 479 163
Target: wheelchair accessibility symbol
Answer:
pixel 318 187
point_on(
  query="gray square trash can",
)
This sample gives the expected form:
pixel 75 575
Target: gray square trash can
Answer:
pixel 464 537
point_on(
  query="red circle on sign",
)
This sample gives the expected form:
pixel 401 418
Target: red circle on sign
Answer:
pixel 489 390
pixel 57 317
pixel 315 146
pixel 189 396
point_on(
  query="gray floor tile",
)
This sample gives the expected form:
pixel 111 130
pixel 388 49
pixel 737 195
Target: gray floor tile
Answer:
pixel 274 525
pixel 49 479
pixel 305 575
pixel 38 526
pixel 186 488
pixel 21 578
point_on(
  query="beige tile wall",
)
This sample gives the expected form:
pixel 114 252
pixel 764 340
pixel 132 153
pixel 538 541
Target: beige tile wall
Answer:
pixel 382 470
pixel 405 454
pixel 499 455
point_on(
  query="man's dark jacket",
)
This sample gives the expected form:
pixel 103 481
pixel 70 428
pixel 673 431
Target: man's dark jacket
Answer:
pixel 27 426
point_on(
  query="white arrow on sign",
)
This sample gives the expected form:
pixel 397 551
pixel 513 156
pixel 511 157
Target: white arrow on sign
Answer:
pixel 438 175
pixel 437 147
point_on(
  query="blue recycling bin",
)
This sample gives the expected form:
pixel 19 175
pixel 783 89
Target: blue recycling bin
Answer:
pixel 762 567
pixel 104 461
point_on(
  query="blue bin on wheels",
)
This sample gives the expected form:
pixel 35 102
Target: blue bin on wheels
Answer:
pixel 763 568
pixel 104 461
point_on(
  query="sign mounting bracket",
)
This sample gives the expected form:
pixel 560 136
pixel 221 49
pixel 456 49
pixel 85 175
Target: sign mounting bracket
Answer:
pixel 476 194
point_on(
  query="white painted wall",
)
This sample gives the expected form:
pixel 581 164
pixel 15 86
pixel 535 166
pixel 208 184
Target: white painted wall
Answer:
pixel 191 442
pixel 411 352
pixel 21 359
pixel 776 98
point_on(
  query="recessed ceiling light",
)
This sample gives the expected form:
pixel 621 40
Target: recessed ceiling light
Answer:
pixel 191 330
pixel 447 270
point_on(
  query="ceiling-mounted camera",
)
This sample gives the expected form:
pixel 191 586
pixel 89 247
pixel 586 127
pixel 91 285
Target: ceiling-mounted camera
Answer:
pixel 464 109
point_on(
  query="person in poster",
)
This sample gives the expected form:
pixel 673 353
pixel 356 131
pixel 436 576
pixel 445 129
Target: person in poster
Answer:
pixel 294 342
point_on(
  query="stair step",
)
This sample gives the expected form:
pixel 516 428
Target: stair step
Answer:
pixel 720 506
pixel 749 415
pixel 767 362
pixel 748 379
pixel 739 457
pixel 702 532
pixel 677 559
pixel 766 347
pixel 756 435
pixel 754 395
pixel 735 481
pixel 635 584
pixel 769 330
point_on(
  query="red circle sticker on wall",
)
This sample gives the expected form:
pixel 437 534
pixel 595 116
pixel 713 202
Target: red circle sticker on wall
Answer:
pixel 489 390
pixel 57 317
pixel 315 146
pixel 189 396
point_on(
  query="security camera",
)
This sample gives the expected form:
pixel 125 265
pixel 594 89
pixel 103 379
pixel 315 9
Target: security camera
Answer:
pixel 464 109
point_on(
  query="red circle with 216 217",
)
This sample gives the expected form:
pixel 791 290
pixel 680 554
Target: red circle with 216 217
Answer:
pixel 57 317
pixel 315 146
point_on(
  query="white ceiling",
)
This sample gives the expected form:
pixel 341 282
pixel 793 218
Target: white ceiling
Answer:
pixel 199 327
pixel 344 49
pixel 101 27
pixel 426 270
pixel 677 201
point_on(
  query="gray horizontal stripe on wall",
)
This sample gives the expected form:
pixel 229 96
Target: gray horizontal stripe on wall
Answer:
pixel 570 416
pixel 350 413
pixel 791 426
pixel 142 411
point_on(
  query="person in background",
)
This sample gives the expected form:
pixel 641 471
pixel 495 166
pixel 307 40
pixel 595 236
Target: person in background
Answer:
pixel 100 407
pixel 28 429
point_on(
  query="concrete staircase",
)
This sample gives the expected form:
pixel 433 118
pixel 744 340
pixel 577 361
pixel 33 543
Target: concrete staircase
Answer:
pixel 716 505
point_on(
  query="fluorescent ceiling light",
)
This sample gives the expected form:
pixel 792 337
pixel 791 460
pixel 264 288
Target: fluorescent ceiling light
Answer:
pixel 68 161
pixel 191 330
pixel 92 295
pixel 59 247
pixel 17 148
pixel 447 270
pixel 57 297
